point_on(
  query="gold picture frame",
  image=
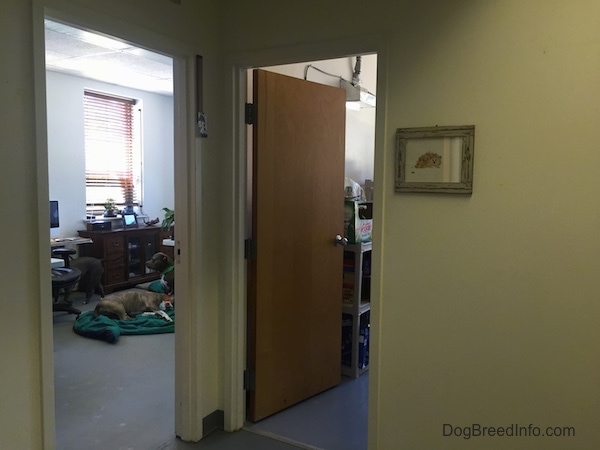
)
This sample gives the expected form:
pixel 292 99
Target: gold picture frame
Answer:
pixel 435 159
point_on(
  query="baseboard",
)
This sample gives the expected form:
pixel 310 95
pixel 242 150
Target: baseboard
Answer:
pixel 214 421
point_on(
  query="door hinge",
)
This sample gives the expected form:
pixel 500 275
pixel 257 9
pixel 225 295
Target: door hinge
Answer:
pixel 250 114
pixel 250 249
pixel 249 380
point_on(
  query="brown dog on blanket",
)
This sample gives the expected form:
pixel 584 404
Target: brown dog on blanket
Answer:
pixel 161 262
pixel 125 304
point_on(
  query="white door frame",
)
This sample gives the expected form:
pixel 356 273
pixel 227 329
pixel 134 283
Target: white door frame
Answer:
pixel 188 423
pixel 234 325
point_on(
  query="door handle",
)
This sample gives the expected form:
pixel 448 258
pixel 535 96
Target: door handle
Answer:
pixel 340 240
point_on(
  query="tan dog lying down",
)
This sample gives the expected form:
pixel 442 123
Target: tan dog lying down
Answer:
pixel 125 304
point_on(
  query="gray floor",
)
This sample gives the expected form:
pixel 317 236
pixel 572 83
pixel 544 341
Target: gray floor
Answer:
pixel 121 396
pixel 333 420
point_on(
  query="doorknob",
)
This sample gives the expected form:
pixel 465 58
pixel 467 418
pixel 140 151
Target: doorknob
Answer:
pixel 340 240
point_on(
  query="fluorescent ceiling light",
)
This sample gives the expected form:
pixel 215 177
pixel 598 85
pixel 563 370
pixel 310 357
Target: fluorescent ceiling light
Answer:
pixel 85 36
pixel 85 54
pixel 357 97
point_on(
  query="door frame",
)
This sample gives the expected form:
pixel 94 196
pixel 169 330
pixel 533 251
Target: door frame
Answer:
pixel 234 318
pixel 188 360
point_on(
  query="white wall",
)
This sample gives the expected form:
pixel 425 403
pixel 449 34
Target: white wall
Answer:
pixel 66 157
pixel 360 125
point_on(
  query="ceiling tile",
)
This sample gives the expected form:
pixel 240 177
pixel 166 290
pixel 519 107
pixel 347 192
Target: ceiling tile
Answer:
pixel 78 52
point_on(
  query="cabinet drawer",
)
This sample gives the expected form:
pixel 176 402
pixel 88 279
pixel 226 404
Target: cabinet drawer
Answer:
pixel 113 260
pixel 114 274
pixel 114 244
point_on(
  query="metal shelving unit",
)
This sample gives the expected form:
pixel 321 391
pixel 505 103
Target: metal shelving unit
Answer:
pixel 358 307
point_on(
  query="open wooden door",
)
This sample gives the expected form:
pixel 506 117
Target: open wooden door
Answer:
pixel 295 275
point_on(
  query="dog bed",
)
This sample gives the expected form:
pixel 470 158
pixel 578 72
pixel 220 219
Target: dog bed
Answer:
pixel 152 286
pixel 110 330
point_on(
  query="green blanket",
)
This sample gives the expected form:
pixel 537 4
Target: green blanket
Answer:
pixel 109 330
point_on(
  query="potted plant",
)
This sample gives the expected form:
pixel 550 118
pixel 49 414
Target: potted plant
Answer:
pixel 169 219
pixel 110 208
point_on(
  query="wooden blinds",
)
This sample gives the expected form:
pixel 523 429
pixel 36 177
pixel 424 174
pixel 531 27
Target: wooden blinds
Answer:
pixel 109 150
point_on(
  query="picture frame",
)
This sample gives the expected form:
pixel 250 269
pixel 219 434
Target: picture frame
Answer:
pixel 435 159
pixel 130 220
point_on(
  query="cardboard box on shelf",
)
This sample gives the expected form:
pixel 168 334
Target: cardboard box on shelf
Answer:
pixel 363 340
pixel 346 339
pixel 358 221
pixel 348 287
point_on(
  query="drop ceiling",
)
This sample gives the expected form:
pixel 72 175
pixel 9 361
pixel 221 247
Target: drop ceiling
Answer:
pixel 81 53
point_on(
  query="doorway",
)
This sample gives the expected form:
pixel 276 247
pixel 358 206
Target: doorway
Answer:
pixel 150 82
pixel 360 133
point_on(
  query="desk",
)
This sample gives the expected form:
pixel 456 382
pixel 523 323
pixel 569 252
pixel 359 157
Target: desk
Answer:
pixel 64 279
pixel 61 242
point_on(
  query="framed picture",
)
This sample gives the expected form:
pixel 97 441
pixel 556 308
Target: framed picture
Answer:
pixel 435 159
pixel 130 220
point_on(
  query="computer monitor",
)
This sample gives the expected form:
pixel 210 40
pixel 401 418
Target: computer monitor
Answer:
pixel 54 218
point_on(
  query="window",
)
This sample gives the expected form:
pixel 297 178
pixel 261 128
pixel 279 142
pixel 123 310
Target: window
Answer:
pixel 112 153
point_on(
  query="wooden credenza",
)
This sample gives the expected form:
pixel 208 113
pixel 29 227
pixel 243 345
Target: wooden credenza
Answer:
pixel 123 252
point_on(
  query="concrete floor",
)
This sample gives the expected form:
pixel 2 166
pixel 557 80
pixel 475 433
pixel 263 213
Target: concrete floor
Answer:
pixel 121 396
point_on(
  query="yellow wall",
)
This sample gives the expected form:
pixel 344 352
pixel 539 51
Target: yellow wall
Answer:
pixel 488 306
pixel 20 373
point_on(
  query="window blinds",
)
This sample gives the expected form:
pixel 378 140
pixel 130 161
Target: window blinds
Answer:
pixel 109 150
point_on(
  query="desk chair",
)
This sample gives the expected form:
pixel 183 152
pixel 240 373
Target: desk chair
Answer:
pixel 65 254
pixel 64 278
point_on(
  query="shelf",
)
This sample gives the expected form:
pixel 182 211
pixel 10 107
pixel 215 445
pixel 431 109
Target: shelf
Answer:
pixel 350 372
pixel 348 308
pixel 359 247
pixel 356 285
